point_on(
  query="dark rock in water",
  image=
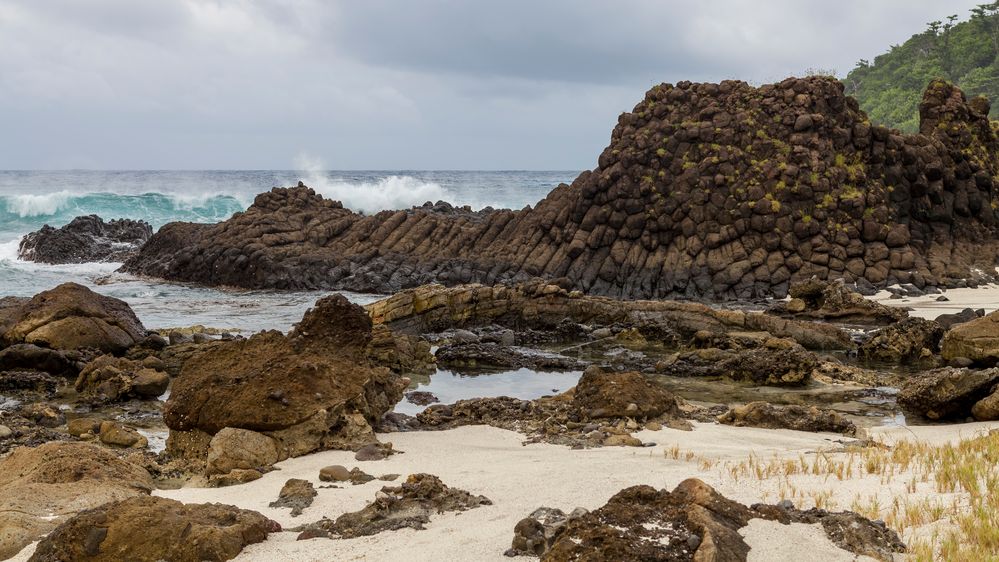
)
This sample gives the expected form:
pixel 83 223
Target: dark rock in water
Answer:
pixel 315 388
pixel 408 506
pixel 421 397
pixel 907 340
pixel 706 190
pixel 798 418
pixel 948 321
pixel 146 528
pixel 85 239
pixel 71 317
pixel 495 356
pixel 296 494
pixel 978 340
pixel 947 393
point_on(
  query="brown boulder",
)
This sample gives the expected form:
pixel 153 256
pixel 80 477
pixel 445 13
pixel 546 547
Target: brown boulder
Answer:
pixel 110 379
pixel 906 340
pixel 232 449
pixel 153 529
pixel 978 340
pixel 947 393
pixel 602 394
pixel 71 316
pixel 799 418
pixel 40 487
pixel 313 389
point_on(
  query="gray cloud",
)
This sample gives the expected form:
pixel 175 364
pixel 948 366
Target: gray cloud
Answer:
pixel 388 83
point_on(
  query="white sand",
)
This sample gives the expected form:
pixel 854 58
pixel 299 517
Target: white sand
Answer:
pixel 518 479
pixel 986 297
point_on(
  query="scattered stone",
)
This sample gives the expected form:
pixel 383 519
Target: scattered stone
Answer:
pixel 338 473
pixel 142 529
pixel 118 435
pixel 409 505
pixel 234 477
pixel 296 494
pixel 374 452
pixel 112 379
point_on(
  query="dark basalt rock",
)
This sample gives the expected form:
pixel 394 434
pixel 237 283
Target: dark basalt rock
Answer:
pixel 706 190
pixel 494 356
pixel 947 393
pixel 908 340
pixel 85 239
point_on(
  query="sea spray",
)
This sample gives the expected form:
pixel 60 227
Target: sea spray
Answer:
pixel 369 197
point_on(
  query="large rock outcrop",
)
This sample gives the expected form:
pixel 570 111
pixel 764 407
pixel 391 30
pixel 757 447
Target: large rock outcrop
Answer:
pixel 434 308
pixel 85 239
pixel 71 317
pixel 977 340
pixel 315 388
pixel 710 190
pixel 41 487
pixel 152 529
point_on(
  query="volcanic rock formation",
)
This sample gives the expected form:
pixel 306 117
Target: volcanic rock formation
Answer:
pixel 708 190
pixel 85 239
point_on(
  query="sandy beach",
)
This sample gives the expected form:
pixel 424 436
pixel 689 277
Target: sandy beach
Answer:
pixel 519 479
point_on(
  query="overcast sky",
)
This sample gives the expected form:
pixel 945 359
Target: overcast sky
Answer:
pixel 389 84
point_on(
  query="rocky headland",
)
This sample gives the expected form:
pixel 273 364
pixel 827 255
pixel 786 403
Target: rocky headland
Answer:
pixel 706 190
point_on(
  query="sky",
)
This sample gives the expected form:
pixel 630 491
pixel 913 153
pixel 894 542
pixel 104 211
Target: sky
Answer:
pixel 390 84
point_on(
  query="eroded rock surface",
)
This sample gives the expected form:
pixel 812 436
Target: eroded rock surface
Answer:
pixel 41 487
pixel 70 317
pixel 799 418
pixel 947 393
pixel 154 529
pixel 977 340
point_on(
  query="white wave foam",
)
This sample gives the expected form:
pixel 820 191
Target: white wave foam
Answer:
pixel 38 205
pixel 8 250
pixel 389 193
pixel 191 201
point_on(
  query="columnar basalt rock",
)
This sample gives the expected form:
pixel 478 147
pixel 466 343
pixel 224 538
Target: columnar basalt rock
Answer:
pixel 85 239
pixel 707 190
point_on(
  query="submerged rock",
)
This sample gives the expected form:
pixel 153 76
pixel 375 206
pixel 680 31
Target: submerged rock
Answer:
pixel 153 529
pixel 85 239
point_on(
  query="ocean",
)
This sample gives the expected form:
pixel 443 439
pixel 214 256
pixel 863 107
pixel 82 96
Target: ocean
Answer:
pixel 30 199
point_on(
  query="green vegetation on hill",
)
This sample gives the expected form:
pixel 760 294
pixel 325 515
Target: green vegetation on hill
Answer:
pixel 966 53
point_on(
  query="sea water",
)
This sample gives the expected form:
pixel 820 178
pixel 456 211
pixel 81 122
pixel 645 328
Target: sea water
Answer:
pixel 30 199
